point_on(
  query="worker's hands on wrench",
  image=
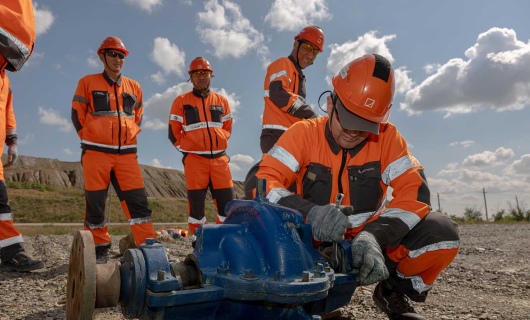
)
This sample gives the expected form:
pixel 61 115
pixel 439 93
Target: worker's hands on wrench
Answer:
pixel 328 223
pixel 367 259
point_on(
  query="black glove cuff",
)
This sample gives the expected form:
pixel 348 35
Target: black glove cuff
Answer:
pixel 11 139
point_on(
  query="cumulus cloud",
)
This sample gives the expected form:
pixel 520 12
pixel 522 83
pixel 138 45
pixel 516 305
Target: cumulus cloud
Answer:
pixel 168 57
pixel 240 163
pixel 368 43
pixel 67 151
pixel 464 143
pixel 43 19
pixel 54 118
pixel 293 15
pixel 228 32
pixel 495 74
pixel 489 158
pixel 157 163
pixel 146 5
pixel 93 62
pixel 520 166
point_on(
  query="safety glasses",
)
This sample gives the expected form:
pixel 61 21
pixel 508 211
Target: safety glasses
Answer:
pixel 113 54
pixel 201 73
pixel 308 47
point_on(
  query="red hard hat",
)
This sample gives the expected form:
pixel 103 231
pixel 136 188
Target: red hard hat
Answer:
pixel 200 63
pixel 313 35
pixel 113 43
pixel 365 88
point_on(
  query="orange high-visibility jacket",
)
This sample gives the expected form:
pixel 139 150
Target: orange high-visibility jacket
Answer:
pixel 307 154
pixel 17 33
pixel 200 125
pixel 8 123
pixel 285 95
pixel 106 114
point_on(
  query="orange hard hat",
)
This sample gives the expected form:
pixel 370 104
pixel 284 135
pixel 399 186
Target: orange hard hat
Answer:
pixel 200 63
pixel 113 43
pixel 365 89
pixel 313 35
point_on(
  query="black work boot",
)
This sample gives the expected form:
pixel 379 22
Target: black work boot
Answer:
pixel 21 262
pixel 395 304
pixel 102 255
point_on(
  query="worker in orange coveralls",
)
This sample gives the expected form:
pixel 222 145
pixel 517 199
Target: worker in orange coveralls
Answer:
pixel 200 124
pixel 107 112
pixel 354 151
pixel 17 37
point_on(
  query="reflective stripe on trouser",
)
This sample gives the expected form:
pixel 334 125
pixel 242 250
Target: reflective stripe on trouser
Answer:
pixel 202 173
pixel 425 251
pixel 123 171
pixel 11 241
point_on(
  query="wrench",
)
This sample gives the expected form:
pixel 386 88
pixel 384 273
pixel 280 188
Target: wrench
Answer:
pixel 335 251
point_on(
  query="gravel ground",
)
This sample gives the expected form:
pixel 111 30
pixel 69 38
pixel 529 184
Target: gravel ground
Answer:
pixel 489 279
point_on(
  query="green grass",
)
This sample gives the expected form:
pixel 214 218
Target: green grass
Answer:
pixel 36 203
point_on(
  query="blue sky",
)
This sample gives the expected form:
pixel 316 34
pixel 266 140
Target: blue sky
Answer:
pixel 462 70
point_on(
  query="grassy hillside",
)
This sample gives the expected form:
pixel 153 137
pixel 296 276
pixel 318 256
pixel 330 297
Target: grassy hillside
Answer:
pixel 38 203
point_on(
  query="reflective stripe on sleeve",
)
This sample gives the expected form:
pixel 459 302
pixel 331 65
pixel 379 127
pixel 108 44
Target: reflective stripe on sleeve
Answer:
pixel 277 75
pixel 6 216
pixel 274 126
pixel 175 117
pixel 282 155
pixel 277 193
pixel 407 217
pixel 396 168
pixel 202 125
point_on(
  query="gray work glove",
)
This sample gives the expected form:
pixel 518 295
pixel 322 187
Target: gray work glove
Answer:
pixel 346 210
pixel 328 223
pixel 367 259
pixel 12 155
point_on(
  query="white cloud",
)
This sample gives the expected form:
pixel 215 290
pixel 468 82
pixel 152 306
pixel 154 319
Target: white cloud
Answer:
pixel 520 166
pixel 242 158
pixel 67 151
pixel 93 62
pixel 26 139
pixel 488 158
pixel 43 19
pixel 168 57
pixel 157 163
pixel 293 15
pixel 228 32
pixel 368 43
pixel 146 5
pixel 464 144
pixel 54 118
pixel 157 107
pixel 495 74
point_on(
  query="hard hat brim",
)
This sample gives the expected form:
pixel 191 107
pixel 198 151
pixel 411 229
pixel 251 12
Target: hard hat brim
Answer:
pixel 351 121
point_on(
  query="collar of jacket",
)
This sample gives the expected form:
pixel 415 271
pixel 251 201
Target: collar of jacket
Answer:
pixel 109 79
pixel 198 93
pixel 335 148
pixel 296 65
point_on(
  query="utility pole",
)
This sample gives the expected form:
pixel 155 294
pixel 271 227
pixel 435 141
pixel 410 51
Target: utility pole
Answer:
pixel 485 204
pixel 439 210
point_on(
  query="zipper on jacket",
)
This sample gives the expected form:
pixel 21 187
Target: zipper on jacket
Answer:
pixel 119 120
pixel 207 126
pixel 342 165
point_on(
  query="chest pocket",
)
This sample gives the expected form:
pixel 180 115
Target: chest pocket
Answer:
pixel 217 113
pixel 101 101
pixel 191 114
pixel 365 189
pixel 316 185
pixel 129 101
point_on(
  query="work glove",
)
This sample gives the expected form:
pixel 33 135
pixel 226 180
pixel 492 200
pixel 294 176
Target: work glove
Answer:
pixel 328 223
pixel 346 210
pixel 12 155
pixel 367 259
